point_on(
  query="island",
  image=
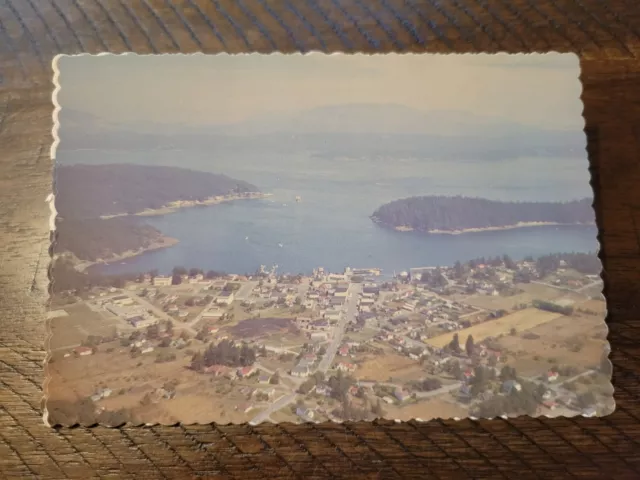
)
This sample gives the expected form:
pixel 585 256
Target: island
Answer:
pixel 456 215
pixel 100 208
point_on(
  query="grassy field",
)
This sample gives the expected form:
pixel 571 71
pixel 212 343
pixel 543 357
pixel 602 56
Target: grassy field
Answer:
pixel 381 367
pixel 521 320
pixel 81 322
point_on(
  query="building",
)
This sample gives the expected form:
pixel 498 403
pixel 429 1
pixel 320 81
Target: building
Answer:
pixel 246 371
pixel 83 351
pixel 319 336
pixel 147 350
pixel 343 351
pixel 552 376
pixel 214 313
pixel 264 378
pixel 346 367
pixel 401 395
pixel 142 322
pixel 225 298
pixel 305 413
pixel 162 281
pixel 511 385
pixel 122 300
pixel 300 371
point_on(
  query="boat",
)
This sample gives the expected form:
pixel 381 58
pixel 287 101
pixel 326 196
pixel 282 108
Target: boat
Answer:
pixel 280 245
pixel 298 199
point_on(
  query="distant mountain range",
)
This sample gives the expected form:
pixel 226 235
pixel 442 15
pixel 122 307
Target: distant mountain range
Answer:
pixel 329 131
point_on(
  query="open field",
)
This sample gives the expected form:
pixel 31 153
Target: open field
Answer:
pixel 426 410
pixel 576 341
pixel 79 324
pixel 521 320
pixel 531 291
pixel 380 368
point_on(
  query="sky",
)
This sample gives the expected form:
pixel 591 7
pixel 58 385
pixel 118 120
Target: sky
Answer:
pixel 537 90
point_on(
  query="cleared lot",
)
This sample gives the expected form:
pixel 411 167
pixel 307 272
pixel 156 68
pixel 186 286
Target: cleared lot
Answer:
pixel 521 320
pixel 79 323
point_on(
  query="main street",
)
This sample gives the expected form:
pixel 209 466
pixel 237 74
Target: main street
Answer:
pixel 349 314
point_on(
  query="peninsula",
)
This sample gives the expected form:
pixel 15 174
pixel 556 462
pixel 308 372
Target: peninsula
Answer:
pixel 456 215
pixel 101 207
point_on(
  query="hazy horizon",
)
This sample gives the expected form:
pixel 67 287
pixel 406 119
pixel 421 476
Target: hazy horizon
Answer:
pixel 204 90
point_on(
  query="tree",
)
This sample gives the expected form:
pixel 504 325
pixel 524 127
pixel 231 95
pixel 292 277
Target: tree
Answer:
pixel 165 342
pixel 377 410
pixel 176 279
pixel 197 361
pixel 184 335
pixel 455 343
pixel 190 302
pixel 275 379
pixel 169 327
pixel 585 400
pixel 153 331
pixel 470 346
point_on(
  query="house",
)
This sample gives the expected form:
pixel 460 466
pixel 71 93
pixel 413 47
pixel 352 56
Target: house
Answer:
pixel 332 315
pixel 122 300
pixel 323 390
pixel 306 362
pixel 464 394
pixel 214 313
pixel 387 399
pixel 468 375
pixel 161 281
pixel 225 298
pixel 549 404
pixel 83 351
pixel 401 395
pixel 268 392
pixel 304 413
pixel 310 357
pixel 318 336
pixel 552 376
pixel 142 322
pixel 244 372
pixel 300 371
pixel 148 349
pixel 343 351
pixel 337 301
pixel 264 378
pixel 510 385
pixel 346 367
pixel 341 292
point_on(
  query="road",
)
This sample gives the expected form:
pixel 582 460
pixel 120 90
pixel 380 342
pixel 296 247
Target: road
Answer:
pixel 245 291
pixel 274 407
pixel 579 291
pixel 349 314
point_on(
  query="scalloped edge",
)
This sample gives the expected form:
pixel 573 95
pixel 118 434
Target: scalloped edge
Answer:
pixel 52 229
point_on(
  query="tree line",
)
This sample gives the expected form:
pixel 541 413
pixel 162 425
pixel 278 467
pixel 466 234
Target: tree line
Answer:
pixel 224 353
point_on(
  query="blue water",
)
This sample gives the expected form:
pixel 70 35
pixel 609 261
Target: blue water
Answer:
pixel 331 227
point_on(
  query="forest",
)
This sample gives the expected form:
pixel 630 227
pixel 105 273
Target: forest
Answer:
pixel 91 191
pixel 429 213
pixel 91 239
pixel 224 353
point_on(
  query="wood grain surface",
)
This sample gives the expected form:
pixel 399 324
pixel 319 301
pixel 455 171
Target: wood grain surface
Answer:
pixel 604 33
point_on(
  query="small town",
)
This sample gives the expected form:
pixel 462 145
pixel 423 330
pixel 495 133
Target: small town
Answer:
pixel 485 338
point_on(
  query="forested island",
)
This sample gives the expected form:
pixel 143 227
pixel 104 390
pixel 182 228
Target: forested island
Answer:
pixel 453 215
pixel 101 207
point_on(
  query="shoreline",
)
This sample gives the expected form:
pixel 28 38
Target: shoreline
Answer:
pixel 180 204
pixel 406 228
pixel 166 242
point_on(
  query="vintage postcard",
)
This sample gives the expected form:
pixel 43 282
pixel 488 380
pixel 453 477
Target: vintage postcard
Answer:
pixel 311 238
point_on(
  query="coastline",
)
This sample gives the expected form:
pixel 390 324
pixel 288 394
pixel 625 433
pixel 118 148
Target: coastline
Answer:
pixel 177 205
pixel 163 242
pixel 406 228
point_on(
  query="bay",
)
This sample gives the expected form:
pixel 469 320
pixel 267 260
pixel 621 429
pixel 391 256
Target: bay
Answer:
pixel 330 226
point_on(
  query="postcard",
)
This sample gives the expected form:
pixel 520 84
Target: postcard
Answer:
pixel 313 238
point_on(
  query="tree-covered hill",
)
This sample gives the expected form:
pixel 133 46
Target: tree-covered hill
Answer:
pixel 438 213
pixel 91 191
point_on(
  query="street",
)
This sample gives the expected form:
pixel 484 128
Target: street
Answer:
pixel 351 310
pixel 277 405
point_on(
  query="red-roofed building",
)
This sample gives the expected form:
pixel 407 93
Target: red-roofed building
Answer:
pixel 83 351
pixel 246 371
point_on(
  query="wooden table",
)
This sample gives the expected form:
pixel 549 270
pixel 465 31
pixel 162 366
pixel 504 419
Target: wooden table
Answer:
pixel 606 36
